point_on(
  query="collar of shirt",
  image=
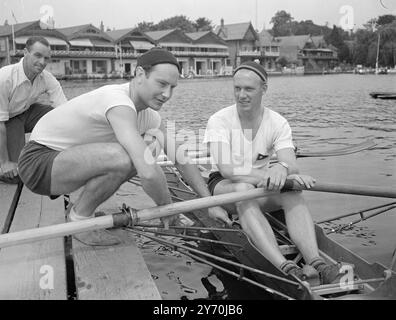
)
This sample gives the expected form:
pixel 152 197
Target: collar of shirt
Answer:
pixel 22 75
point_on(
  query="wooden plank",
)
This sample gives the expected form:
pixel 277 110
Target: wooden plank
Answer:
pixel 6 194
pixel 117 272
pixel 37 270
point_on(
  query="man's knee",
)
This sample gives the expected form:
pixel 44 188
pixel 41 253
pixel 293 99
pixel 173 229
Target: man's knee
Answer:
pixel 122 162
pixel 242 186
pixel 292 199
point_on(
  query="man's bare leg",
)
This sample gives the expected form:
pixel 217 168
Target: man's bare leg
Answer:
pixel 101 168
pixel 253 222
pixel 300 225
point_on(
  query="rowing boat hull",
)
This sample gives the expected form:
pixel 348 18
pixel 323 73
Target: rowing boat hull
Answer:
pixel 329 249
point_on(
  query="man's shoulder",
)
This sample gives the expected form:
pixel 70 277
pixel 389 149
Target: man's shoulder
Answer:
pixel 225 113
pixel 7 71
pixel 275 116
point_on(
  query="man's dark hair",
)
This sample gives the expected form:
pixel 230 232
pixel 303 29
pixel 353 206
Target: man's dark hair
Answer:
pixel 32 40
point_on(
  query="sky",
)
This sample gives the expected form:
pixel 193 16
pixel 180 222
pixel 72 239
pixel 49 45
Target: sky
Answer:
pixel 118 14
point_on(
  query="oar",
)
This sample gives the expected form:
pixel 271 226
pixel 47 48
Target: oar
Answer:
pixel 344 188
pixel 368 144
pixel 131 217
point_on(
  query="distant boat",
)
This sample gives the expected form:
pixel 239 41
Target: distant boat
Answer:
pixel 383 95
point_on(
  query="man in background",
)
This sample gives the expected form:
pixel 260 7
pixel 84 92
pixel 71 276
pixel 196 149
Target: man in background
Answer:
pixel 22 86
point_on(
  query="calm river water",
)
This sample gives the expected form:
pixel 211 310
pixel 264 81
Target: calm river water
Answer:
pixel 324 112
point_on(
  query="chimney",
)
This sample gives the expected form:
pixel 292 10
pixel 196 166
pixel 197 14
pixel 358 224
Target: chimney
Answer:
pixel 6 23
pixel 222 23
pixel 101 26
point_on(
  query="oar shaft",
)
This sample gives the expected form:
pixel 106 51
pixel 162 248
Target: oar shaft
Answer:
pixel 346 189
pixel 201 203
pixel 54 231
pixel 109 221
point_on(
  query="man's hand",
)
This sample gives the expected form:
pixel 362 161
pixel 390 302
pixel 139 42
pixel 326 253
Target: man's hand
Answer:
pixel 219 214
pixel 274 178
pixel 9 169
pixel 303 180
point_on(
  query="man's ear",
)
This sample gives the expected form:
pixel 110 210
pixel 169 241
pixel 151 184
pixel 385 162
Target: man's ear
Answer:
pixel 25 51
pixel 265 87
pixel 140 73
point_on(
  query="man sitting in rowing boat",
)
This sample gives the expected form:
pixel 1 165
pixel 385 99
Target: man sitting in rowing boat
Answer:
pixel 241 140
pixel 95 141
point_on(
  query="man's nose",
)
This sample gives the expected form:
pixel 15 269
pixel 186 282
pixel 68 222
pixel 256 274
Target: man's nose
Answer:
pixel 242 93
pixel 167 93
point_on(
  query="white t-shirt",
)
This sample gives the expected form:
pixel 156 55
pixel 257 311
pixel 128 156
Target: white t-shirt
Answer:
pixel 82 120
pixel 273 134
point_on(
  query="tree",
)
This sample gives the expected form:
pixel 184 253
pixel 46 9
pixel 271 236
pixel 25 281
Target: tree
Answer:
pixel 336 39
pixel 282 24
pixel 282 61
pixel 203 24
pixel 386 19
pixel 181 22
pixel 145 26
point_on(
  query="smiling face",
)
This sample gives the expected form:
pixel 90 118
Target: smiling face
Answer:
pixel 248 90
pixel 36 59
pixel 156 86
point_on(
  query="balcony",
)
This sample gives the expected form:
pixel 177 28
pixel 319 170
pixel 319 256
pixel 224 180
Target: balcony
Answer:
pixel 85 54
pixel 317 56
pixel 250 53
pixel 270 54
pixel 200 54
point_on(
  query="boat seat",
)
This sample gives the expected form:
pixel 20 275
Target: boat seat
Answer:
pixel 288 249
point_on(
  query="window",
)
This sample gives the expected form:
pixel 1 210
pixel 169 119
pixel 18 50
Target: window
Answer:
pixel 78 66
pixel 3 45
pixel 99 66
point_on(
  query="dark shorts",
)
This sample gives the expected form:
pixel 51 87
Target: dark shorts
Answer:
pixel 214 179
pixel 35 167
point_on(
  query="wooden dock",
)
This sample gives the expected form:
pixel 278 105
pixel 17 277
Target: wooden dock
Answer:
pixel 63 268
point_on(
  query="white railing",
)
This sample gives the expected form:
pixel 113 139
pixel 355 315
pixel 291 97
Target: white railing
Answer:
pixel 249 53
pixel 271 54
pixel 200 54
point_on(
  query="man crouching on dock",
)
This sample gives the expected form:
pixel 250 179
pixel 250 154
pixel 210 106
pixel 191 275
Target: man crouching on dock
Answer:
pixel 241 140
pixel 95 141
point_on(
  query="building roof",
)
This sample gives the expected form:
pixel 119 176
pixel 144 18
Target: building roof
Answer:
pixel 84 31
pixel 267 39
pixel 294 41
pixel 197 35
pixel 207 39
pixel 7 30
pixel 69 31
pixel 157 35
pixel 236 31
pixel 118 34
pixel 319 41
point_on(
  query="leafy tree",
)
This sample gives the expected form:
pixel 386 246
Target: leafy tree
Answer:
pixel 386 19
pixel 282 61
pixel 145 26
pixel 181 22
pixel 203 24
pixel 282 24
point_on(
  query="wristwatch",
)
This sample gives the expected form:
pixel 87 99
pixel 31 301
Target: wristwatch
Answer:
pixel 285 165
